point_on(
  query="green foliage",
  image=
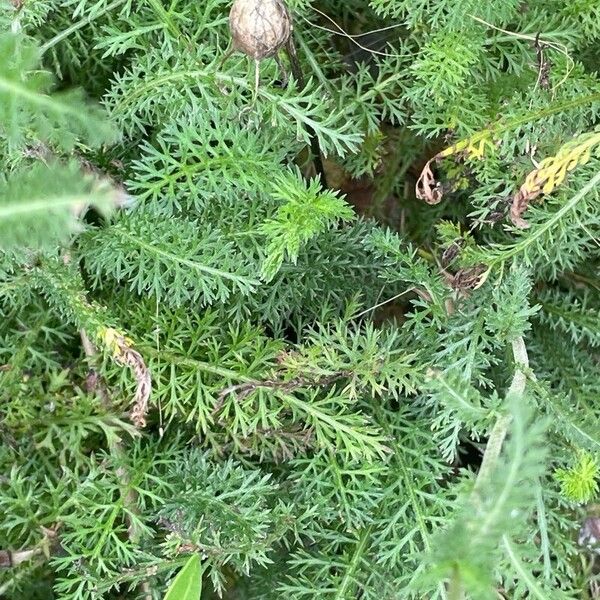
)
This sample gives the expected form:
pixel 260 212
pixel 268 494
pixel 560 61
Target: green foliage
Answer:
pixel 26 108
pixel 572 314
pixel 231 368
pixel 467 550
pixel 192 267
pixel 188 583
pixel 579 482
pixel 230 515
pixel 40 206
pixel 195 163
pixel 306 213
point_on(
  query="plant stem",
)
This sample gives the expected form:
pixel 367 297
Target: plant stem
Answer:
pixel 314 142
pixel 455 591
pixel 10 559
pixel 78 25
pixel 498 434
pixel 117 450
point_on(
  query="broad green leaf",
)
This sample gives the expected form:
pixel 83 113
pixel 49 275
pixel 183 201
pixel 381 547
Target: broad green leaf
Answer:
pixel 188 583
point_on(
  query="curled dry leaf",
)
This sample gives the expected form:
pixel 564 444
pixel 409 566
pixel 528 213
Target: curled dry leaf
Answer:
pixel 520 204
pixel 451 252
pixel 431 190
pixel 133 359
pixel 550 173
pixel 541 180
pixel 260 28
pixel 428 188
pixel 124 354
pixel 470 278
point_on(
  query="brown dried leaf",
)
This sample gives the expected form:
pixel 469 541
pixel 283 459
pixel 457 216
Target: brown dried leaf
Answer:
pixel 521 201
pixel 133 359
pixel 551 172
pixel 470 278
pixel 428 188
pixel 451 252
pixel 124 354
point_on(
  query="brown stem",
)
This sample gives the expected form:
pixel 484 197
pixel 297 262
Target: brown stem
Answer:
pixel 242 390
pixel 9 559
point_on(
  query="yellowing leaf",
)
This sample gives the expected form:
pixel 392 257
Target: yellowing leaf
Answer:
pixel 551 173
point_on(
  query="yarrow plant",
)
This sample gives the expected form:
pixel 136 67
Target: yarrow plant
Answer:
pixel 299 300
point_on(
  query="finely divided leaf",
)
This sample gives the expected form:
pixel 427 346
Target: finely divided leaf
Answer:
pixel 42 207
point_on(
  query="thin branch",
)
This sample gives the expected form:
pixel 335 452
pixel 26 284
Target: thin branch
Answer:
pixel 117 450
pixel 9 559
pixel 314 142
pixel 383 303
pixel 498 434
pixel 78 25
pixel 243 390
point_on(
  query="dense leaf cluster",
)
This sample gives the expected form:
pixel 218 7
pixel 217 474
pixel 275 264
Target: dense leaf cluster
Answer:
pixel 208 348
